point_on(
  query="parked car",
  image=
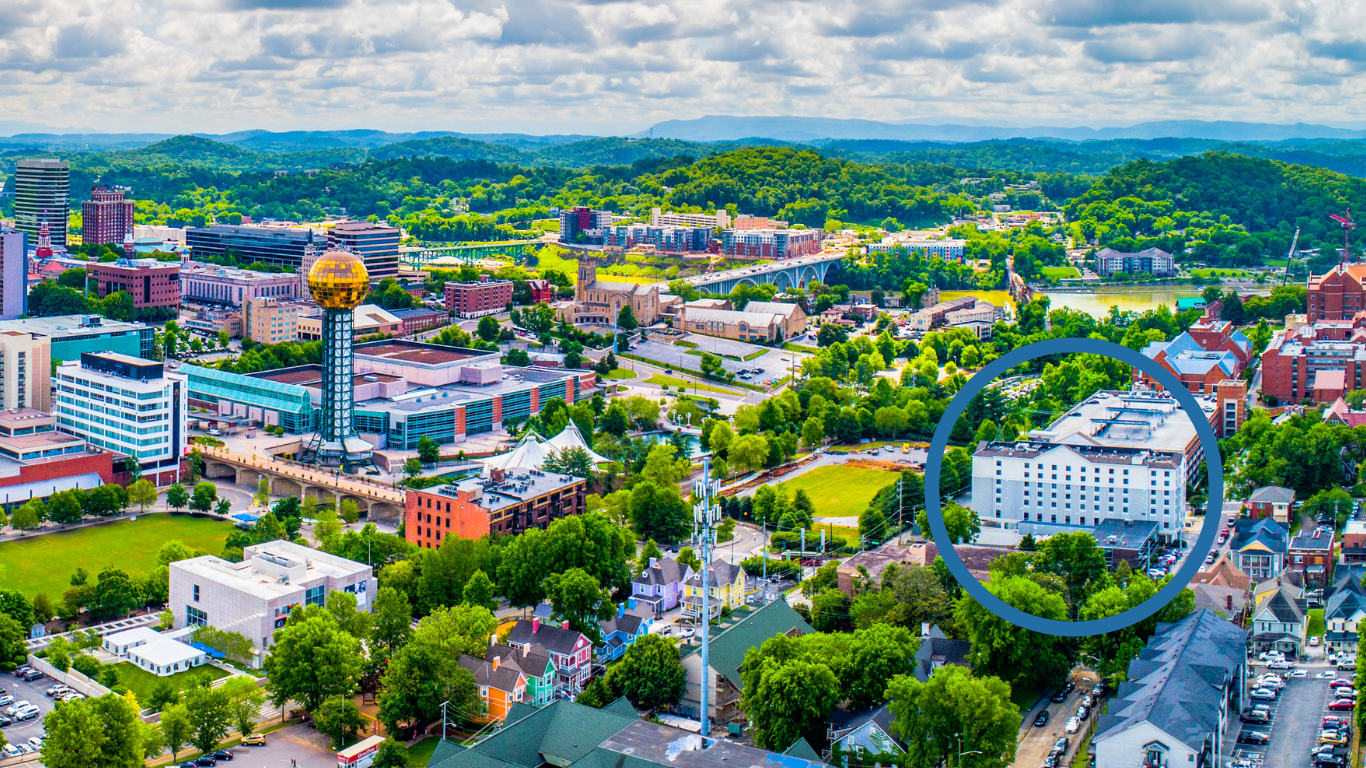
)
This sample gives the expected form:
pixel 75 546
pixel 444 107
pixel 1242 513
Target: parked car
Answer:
pixel 36 742
pixel 6 720
pixel 1342 705
pixel 32 675
pixel 57 690
pixel 222 754
pixel 1314 641
pixel 1083 712
pixel 1332 737
pixel 1266 694
pixel 1280 664
pixel 6 699
pixel 1347 663
pixel 1072 726
pixel 11 750
pixel 1330 761
pixel 1255 717
pixel 1270 655
pixel 14 708
pixel 1253 737
pixel 205 761
pixel 27 713
pixel 254 740
pixel 1041 719
pixel 1059 697
pixel 19 671
pixel 1298 673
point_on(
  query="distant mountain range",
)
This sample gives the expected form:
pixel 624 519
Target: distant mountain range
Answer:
pixel 817 129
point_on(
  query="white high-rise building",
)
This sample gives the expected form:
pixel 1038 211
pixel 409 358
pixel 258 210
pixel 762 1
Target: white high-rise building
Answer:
pixel 125 404
pixel 13 273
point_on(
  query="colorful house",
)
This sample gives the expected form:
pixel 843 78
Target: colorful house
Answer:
pixel 570 651
pixel 619 632
pixel 727 590
pixel 500 685
pixel 535 664
pixel 660 586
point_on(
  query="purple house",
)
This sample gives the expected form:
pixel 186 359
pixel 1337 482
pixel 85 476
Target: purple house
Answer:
pixel 660 586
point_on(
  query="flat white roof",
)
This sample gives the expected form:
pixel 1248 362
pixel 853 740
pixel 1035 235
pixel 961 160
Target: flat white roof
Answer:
pixel 246 578
pixel 164 652
pixel 134 635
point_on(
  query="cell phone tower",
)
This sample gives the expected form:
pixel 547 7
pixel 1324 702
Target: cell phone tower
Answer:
pixel 706 514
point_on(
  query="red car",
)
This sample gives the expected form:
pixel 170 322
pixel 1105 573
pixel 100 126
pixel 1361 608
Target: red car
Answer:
pixel 1342 705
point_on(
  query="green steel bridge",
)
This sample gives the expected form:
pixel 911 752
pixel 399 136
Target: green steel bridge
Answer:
pixel 466 254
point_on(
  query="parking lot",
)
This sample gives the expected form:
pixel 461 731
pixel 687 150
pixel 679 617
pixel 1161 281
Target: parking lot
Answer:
pixel 33 693
pixel 774 364
pixel 1296 715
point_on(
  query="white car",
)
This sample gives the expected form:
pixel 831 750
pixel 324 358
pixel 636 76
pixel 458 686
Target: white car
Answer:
pixel 14 708
pixel 1262 694
pixel 1325 675
pixel 11 750
pixel 1314 641
pixel 1270 656
pixel 1281 664
pixel 1073 725
pixel 1298 673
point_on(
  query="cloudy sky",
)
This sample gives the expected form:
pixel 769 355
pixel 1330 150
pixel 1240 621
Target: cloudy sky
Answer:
pixel 608 67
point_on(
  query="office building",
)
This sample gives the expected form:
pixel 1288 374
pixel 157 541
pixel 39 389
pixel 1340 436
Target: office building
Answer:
pixel 416 319
pixel 269 320
pixel 254 597
pixel 1202 357
pixel 485 297
pixel 106 218
pixel 1151 261
pixel 71 335
pixel 718 220
pixel 25 371
pixel 366 320
pixel 42 191
pixel 284 246
pixel 505 502
pixel 213 318
pixel 1182 692
pixel 583 226
pixel 234 287
pixel 13 273
pixel 375 244
pixel 770 243
pixel 404 390
pixel 37 461
pixel 125 404
pixel 151 283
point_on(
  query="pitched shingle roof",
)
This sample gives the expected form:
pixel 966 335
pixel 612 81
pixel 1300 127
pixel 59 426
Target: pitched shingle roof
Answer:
pixel 939 651
pixel 555 639
pixel 535 662
pixel 504 677
pixel 627 624
pixel 1253 535
pixel 1178 681
pixel 1286 608
pixel 729 646
pixel 665 571
pixel 559 734
pixel 1272 494
pixel 722 572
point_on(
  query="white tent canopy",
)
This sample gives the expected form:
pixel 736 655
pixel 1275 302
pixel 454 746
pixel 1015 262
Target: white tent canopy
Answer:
pixel 571 437
pixel 532 450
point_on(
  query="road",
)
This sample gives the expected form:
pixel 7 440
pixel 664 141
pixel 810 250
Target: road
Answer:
pixel 1036 743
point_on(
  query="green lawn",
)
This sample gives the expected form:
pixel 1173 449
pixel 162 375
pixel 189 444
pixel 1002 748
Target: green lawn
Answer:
pixel 1208 272
pixel 141 682
pixel 839 491
pixel 1316 624
pixel 1025 697
pixel 1059 273
pixel 620 374
pixel 421 752
pixel 45 563
pixel 674 382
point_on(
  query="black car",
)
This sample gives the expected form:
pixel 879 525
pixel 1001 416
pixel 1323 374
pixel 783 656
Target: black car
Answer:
pixel 21 670
pixel 32 675
pixel 222 754
pixel 1058 697
pixel 187 764
pixel 1255 717
pixel 1253 737
pixel 1071 686
pixel 1330 761
pixel 205 760
pixel 1041 720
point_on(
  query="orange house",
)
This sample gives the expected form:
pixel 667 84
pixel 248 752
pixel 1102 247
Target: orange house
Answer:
pixel 500 685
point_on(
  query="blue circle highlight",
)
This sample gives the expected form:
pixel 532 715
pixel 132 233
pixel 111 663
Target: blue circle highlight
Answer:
pixel 1209 442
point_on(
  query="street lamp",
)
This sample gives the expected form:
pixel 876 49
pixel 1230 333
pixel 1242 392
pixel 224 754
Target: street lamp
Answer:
pixel 961 753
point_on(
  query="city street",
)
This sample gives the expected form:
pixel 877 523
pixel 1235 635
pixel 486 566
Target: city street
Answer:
pixel 1037 743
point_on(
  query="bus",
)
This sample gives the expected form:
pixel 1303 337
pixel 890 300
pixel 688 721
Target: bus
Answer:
pixel 361 754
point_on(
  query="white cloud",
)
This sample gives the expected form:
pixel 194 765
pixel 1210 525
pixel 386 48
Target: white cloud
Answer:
pixel 615 66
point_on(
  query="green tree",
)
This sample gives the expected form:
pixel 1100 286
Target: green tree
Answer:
pixel 626 319
pixel 177 497
pixel 210 715
pixel 205 493
pixel 412 468
pixel 932 717
pixel 326 526
pixel 28 517
pixel 1003 649
pixel 830 611
pixel 1076 558
pixel 344 607
pixel 115 594
pixel 12 635
pixel 142 493
pixel 420 676
pixel 788 699
pixel 488 328
pixel 393 619
pixel 479 591
pixel 576 597
pixel 176 728
pixel 77 737
pixel 650 674
pixel 312 660
pixel 65 508
pixel 391 754
pixel 339 718
pixel 658 512
pixel 428 451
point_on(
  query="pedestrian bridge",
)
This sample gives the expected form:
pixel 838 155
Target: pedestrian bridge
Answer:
pixel 788 273
pixel 292 478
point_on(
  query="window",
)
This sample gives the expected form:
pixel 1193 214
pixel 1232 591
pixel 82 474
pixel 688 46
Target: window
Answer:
pixel 316 595
pixel 196 593
pixel 195 617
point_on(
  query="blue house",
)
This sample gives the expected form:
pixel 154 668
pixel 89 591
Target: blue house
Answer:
pixel 619 632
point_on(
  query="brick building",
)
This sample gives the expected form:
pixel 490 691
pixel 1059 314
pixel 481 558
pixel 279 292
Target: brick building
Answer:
pixel 1322 361
pixel 1212 351
pixel 1270 501
pixel 770 243
pixel 1337 295
pixel 151 283
pixel 1311 553
pixel 106 217
pixel 416 320
pixel 234 287
pixel 504 503
pixel 1354 542
pixel 486 297
pixel 269 320
pixel 541 291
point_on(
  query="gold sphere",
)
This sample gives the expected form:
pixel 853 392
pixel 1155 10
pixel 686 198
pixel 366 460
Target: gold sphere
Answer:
pixel 338 280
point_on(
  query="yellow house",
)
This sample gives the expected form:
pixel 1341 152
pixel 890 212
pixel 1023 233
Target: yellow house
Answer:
pixel 727 588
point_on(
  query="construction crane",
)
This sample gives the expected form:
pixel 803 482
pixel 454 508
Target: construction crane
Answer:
pixel 1347 226
pixel 1290 256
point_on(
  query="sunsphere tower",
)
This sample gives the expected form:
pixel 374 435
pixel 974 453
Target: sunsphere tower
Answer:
pixel 339 283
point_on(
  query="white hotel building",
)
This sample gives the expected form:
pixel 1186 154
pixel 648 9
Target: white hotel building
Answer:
pixel 125 404
pixel 1123 455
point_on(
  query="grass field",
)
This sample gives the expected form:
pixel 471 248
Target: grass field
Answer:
pixel 1316 624
pixel 421 752
pixel 1059 273
pixel 45 563
pixel 840 491
pixel 1208 272
pixel 674 382
pixel 141 682
pixel 620 374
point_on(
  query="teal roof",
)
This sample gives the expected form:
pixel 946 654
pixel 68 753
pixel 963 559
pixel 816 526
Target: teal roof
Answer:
pixel 729 646
pixel 622 707
pixel 263 393
pixel 1192 302
pixel 445 750
pixel 803 749
pixel 559 733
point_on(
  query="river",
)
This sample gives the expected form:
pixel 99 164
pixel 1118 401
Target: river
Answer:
pixel 1097 304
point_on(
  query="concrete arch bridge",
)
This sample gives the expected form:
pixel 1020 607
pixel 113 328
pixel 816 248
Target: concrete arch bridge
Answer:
pixel 788 273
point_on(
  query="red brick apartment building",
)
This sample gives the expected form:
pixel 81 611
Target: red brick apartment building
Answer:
pixel 1338 295
pixel 486 297
pixel 106 217
pixel 151 283
pixel 505 502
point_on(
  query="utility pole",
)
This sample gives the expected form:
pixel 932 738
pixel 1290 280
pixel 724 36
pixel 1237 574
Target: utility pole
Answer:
pixel 705 516
pixel 443 719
